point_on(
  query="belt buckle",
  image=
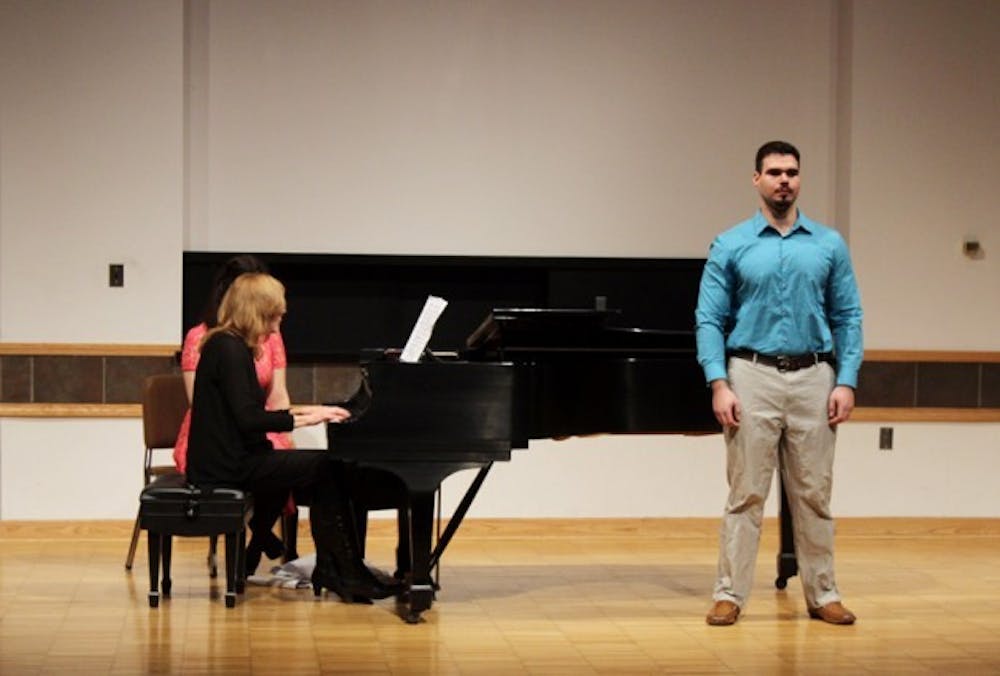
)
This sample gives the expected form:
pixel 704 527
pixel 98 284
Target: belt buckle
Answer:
pixel 784 363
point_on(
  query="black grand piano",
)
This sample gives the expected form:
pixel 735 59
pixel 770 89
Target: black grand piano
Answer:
pixel 525 374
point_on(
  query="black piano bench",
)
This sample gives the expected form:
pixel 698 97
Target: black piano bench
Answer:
pixel 170 506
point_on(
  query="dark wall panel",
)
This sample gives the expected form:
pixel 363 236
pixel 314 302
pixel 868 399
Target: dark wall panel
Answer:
pixel 341 304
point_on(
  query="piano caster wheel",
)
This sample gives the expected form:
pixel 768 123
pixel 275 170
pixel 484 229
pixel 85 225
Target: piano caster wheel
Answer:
pixel 781 582
pixel 154 600
pixel 413 618
pixel 230 600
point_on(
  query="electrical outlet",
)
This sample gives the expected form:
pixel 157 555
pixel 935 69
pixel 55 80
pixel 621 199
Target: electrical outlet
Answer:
pixel 885 438
pixel 116 274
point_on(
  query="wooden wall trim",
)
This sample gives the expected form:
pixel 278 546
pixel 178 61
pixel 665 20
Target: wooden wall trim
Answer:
pixel 17 408
pixel 926 414
pixel 70 410
pixel 952 356
pixel 670 528
pixel 88 349
pixel 861 414
pixel 146 350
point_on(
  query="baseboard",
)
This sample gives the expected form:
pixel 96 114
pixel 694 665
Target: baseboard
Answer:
pixel 881 527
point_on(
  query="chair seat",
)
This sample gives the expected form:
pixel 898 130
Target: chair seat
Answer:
pixel 163 470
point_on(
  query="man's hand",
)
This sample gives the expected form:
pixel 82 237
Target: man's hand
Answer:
pixel 725 404
pixel 841 405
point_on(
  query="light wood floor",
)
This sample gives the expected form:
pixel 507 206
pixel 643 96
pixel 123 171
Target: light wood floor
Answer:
pixel 534 597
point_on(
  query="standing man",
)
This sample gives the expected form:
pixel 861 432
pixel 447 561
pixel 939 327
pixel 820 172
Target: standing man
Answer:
pixel 779 339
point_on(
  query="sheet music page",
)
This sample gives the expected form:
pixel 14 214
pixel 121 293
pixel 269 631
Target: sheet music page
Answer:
pixel 421 334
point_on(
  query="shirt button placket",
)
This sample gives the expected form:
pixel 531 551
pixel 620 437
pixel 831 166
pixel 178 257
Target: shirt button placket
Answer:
pixel 783 294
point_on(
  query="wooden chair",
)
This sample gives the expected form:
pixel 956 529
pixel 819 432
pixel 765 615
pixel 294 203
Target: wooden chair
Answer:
pixel 164 405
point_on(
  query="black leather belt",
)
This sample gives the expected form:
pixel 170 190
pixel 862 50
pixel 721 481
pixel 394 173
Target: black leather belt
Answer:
pixel 784 362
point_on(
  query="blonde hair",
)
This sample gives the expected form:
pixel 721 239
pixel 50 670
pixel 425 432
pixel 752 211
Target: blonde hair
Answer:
pixel 249 307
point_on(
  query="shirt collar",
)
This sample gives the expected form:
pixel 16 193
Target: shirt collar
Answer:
pixel 801 223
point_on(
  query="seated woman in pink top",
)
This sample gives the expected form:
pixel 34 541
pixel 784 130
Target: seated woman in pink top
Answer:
pixel 270 364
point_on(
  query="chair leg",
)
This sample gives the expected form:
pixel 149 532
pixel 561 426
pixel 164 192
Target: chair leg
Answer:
pixel 232 557
pixel 167 545
pixel 153 551
pixel 241 563
pixel 132 545
pixel 213 557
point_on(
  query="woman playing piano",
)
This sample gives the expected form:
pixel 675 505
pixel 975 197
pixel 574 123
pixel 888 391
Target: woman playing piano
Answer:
pixel 270 364
pixel 228 444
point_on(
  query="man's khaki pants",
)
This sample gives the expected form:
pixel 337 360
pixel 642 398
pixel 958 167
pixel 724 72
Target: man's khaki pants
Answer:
pixel 782 412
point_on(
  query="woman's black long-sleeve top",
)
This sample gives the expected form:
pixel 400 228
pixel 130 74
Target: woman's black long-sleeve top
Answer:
pixel 229 421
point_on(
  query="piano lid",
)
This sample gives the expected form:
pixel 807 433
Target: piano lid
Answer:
pixel 569 329
pixel 562 322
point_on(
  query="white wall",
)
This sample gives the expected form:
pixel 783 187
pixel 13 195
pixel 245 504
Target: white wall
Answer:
pixel 925 171
pixel 50 468
pixel 91 129
pixel 536 128
pixel 933 470
pixel 593 128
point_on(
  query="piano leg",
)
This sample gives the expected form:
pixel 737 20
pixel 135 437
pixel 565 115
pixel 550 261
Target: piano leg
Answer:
pixel 787 565
pixel 460 512
pixel 421 594
pixel 402 571
pixel 417 557
pixel 360 513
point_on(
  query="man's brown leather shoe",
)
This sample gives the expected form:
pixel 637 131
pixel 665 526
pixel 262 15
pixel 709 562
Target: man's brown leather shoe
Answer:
pixel 723 613
pixel 834 613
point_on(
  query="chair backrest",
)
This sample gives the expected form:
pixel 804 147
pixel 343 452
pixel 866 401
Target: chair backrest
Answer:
pixel 164 404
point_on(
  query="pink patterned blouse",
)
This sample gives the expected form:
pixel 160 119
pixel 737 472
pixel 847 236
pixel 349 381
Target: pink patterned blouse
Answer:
pixel 272 356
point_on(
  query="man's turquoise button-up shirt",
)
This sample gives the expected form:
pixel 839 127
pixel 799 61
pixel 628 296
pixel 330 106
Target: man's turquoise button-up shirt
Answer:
pixel 779 295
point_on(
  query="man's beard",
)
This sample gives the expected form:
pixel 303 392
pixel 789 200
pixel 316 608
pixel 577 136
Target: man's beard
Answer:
pixel 779 207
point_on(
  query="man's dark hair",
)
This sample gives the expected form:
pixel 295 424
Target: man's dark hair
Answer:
pixel 775 148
